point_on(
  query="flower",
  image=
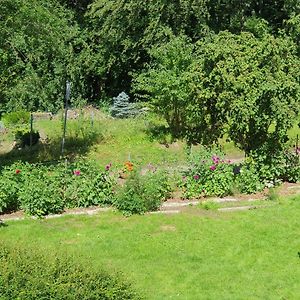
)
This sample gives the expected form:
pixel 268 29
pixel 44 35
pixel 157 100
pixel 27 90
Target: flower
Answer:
pixel 298 150
pixel 18 171
pixel 196 177
pixel 212 168
pixel 215 159
pixel 183 178
pixel 107 167
pixel 129 166
pixel 76 172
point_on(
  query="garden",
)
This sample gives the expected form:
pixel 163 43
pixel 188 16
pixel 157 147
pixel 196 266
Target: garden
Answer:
pixel 149 150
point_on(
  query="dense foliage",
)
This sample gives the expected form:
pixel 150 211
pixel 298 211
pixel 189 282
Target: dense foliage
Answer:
pixel 209 68
pixel 143 193
pixel 31 274
pixel 41 189
pixel 209 174
pixel 36 53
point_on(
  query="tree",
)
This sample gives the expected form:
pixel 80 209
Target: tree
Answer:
pixel 36 54
pixel 240 85
pixel 166 83
pixel 122 33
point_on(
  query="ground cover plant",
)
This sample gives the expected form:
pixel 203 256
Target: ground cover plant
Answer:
pixel 198 254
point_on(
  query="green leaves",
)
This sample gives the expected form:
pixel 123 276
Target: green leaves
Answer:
pixel 41 190
pixel 35 39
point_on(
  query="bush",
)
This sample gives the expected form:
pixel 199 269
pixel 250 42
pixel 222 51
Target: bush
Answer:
pixel 276 165
pixel 29 274
pixel 208 175
pixel 23 138
pixel 86 185
pixel 41 190
pixel 142 193
pixel 16 118
pixel 10 184
pixel 40 194
pixel 247 179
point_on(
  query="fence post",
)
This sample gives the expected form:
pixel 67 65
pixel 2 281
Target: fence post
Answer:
pixel 68 93
pixel 31 128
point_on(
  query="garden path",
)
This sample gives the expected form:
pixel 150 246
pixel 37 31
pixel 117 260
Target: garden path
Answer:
pixel 176 205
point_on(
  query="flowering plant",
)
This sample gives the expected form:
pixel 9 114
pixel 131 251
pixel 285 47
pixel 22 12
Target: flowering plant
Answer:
pixel 208 175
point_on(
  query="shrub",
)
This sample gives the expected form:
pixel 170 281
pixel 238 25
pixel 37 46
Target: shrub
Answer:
pixel 10 184
pixel 275 165
pixel 29 274
pixel 86 185
pixel 40 189
pixel 23 138
pixel 16 118
pixel 247 179
pixel 208 175
pixel 142 193
pixel 40 193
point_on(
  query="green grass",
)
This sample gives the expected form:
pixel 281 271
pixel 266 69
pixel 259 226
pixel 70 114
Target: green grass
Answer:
pixel 197 254
pixel 110 140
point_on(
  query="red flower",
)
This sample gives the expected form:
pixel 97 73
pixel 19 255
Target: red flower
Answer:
pixel 18 171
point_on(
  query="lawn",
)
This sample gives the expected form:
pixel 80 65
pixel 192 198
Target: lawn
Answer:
pixel 196 254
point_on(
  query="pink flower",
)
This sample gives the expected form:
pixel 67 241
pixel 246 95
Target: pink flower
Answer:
pixel 298 150
pixel 76 172
pixel 212 168
pixel 215 159
pixel 183 178
pixel 18 171
pixel 196 177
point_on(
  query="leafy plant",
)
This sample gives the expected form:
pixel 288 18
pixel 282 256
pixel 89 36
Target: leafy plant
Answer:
pixel 247 179
pixel 85 185
pixel 40 193
pixel 142 193
pixel 23 137
pixel 209 175
pixel 15 118
pixel 27 273
pixel 41 189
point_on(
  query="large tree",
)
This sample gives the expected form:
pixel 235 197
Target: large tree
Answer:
pixel 122 33
pixel 36 53
pixel 242 85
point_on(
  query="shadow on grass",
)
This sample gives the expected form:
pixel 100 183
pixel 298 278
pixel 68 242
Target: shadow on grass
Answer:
pixel 2 224
pixel 50 150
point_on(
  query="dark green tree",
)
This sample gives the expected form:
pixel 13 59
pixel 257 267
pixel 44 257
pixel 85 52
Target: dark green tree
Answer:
pixel 239 85
pixel 122 33
pixel 36 54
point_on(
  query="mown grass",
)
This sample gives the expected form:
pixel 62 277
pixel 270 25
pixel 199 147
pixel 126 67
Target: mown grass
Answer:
pixel 197 254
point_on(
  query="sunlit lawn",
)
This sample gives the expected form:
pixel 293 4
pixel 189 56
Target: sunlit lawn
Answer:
pixel 193 255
